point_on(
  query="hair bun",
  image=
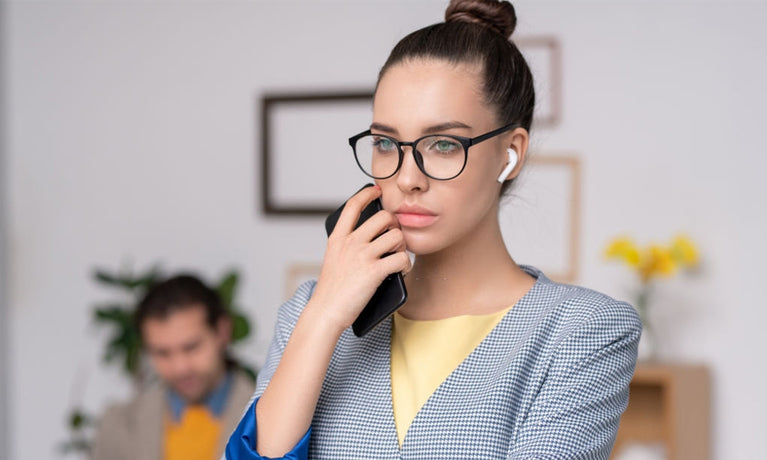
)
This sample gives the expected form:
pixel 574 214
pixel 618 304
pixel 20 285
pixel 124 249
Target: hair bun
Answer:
pixel 499 16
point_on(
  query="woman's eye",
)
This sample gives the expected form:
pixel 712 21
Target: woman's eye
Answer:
pixel 383 144
pixel 443 146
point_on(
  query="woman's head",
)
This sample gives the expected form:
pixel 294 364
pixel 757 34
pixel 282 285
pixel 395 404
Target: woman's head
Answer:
pixel 477 33
pixel 459 78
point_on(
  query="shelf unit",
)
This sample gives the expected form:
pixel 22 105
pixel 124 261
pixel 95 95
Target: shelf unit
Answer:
pixel 669 403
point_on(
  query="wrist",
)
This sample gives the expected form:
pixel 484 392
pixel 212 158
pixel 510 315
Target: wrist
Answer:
pixel 322 320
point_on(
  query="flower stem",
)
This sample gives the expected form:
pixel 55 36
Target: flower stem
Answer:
pixel 642 302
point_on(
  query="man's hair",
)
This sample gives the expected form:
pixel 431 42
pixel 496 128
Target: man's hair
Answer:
pixel 180 292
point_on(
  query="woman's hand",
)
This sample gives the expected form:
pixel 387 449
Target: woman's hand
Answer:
pixel 351 272
pixel 354 265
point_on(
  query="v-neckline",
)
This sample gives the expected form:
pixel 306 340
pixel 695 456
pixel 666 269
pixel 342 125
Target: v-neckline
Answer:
pixel 517 310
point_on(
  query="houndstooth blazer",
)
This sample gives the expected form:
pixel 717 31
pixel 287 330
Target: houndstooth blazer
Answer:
pixel 550 381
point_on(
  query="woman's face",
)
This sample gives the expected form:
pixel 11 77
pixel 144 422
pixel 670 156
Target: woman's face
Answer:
pixel 420 97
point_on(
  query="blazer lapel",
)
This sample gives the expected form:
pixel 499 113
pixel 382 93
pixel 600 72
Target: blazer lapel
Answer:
pixel 481 367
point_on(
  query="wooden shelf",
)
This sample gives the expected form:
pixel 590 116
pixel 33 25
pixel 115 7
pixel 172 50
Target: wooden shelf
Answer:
pixel 668 404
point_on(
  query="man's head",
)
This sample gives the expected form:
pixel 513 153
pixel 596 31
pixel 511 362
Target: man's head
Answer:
pixel 185 330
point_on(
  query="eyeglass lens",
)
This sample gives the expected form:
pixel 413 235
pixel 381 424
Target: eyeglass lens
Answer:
pixel 441 157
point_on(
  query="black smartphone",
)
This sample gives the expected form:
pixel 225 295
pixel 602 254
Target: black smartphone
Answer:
pixel 389 296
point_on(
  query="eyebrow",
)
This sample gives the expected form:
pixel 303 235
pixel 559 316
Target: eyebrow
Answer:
pixel 430 130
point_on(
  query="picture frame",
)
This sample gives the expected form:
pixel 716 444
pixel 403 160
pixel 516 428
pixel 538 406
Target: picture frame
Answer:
pixel 302 133
pixel 298 273
pixel 541 220
pixel 543 54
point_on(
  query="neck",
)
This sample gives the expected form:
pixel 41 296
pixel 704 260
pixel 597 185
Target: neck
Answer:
pixel 474 276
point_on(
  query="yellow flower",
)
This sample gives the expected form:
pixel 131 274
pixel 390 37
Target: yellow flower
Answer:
pixel 684 252
pixel 623 249
pixel 662 261
pixel 656 261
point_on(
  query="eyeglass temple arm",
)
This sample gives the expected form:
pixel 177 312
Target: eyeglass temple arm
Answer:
pixel 493 133
pixel 354 139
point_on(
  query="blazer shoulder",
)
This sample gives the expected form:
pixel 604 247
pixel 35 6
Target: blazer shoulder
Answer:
pixel 116 417
pixel 291 309
pixel 570 307
pixel 129 426
pixel 130 413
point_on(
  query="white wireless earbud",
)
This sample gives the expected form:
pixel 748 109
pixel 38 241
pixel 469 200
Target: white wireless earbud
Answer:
pixel 513 158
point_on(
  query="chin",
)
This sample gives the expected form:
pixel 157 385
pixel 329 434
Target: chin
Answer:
pixel 433 239
pixel 196 398
pixel 421 244
pixel 192 395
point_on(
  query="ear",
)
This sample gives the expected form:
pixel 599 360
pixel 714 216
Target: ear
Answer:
pixel 224 330
pixel 518 140
pixel 510 165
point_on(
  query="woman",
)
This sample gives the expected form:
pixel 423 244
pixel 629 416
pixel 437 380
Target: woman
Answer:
pixel 486 359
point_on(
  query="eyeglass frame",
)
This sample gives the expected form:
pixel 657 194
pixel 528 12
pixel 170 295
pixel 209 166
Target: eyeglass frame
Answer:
pixel 465 142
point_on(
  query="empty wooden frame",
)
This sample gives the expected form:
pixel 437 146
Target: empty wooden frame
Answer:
pixel 544 56
pixel 307 166
pixel 540 221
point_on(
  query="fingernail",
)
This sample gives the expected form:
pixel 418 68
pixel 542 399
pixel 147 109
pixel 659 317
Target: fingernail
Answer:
pixel 377 187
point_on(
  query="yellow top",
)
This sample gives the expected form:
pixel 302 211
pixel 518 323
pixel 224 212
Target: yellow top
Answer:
pixel 425 353
pixel 194 437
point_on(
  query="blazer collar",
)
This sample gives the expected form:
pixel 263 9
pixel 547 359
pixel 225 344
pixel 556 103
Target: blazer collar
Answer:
pixel 499 347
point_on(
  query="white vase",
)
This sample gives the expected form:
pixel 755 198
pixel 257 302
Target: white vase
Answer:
pixel 640 451
pixel 647 346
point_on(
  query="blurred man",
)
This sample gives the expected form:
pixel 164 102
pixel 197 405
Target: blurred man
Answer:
pixel 201 395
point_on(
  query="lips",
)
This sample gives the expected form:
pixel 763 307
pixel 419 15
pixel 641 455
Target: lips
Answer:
pixel 414 216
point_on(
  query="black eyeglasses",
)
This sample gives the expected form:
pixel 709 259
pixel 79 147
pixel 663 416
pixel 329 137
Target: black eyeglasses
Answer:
pixel 439 156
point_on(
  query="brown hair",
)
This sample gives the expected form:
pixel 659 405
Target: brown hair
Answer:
pixel 180 292
pixel 478 31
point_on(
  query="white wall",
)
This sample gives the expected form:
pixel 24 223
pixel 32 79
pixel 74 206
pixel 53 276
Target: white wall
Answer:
pixel 4 381
pixel 131 135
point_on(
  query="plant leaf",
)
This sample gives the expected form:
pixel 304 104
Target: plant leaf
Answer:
pixel 132 358
pixel 240 327
pixel 113 313
pixel 227 288
pixel 123 281
pixel 79 420
pixel 146 280
pixel 102 276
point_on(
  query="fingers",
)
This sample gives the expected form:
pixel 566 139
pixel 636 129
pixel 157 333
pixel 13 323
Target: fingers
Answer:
pixel 353 208
pixel 376 225
pixel 391 241
pixel 394 263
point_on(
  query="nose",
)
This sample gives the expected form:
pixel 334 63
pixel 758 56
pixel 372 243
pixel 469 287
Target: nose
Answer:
pixel 410 177
pixel 180 364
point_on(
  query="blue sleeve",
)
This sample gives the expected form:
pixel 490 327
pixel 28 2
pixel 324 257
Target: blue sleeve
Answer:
pixel 242 443
pixel 576 412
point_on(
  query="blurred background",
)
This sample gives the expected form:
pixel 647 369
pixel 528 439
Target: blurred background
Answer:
pixel 131 136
